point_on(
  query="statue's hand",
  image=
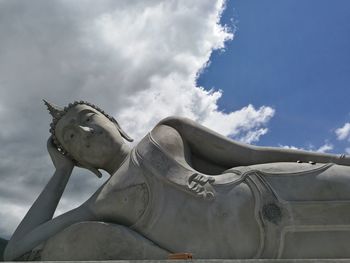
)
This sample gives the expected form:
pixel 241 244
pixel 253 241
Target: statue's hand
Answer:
pixel 60 161
pixel 201 185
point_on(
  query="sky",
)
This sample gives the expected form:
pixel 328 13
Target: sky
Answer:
pixel 293 56
pixel 263 72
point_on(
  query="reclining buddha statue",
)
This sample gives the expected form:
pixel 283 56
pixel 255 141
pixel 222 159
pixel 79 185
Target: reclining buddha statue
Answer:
pixel 184 189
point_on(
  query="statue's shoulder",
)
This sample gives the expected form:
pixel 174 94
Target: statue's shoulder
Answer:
pixel 165 139
pixel 174 120
pixel 178 123
pixel 163 135
pixel 172 131
pixel 169 138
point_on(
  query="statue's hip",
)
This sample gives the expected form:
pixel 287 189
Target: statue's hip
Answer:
pixel 303 209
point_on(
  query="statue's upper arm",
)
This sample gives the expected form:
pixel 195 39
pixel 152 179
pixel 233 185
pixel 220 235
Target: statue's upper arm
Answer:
pixel 172 142
pixel 210 145
pixel 184 176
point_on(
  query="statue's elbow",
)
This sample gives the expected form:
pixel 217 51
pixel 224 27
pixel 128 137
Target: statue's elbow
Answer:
pixel 8 253
pixel 174 120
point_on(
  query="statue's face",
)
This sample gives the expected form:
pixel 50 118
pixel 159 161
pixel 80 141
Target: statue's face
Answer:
pixel 88 136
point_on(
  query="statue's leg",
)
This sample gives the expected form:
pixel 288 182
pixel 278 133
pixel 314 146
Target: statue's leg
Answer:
pixel 100 241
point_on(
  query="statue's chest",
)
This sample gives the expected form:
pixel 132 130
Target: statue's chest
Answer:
pixel 124 198
pixel 123 206
pixel 180 222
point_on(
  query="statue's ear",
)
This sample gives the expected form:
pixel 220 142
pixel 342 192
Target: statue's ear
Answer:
pixel 123 133
pixel 95 171
pixel 90 168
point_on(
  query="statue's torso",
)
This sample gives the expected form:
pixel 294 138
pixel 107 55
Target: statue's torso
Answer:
pixel 221 228
pixel 181 222
pixel 277 210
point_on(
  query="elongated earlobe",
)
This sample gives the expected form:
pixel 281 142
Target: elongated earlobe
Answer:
pixel 90 168
pixel 122 132
pixel 95 171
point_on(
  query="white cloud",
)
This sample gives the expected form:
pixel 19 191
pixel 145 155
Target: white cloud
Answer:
pixel 198 104
pixel 343 132
pixel 9 214
pixel 253 135
pixel 291 147
pixel 326 147
pixel 138 60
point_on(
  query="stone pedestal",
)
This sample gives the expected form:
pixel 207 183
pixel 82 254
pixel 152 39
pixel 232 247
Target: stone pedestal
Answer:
pixel 217 261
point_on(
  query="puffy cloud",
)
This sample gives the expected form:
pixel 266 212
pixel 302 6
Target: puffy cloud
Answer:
pixel 246 124
pixel 343 133
pixel 291 147
pixel 326 147
pixel 138 60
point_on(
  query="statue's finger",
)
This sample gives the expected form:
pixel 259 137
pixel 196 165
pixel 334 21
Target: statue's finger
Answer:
pixel 211 179
pixel 193 184
pixel 192 177
pixel 209 196
pixel 195 187
pixel 199 189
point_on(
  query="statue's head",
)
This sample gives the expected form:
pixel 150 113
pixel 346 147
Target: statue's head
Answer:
pixel 86 134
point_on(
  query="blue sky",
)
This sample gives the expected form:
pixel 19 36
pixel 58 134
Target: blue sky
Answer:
pixel 293 56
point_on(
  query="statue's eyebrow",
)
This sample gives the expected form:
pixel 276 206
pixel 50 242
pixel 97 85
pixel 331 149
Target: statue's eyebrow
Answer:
pixel 80 115
pixel 83 112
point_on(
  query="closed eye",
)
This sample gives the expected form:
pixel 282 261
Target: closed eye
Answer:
pixel 85 115
pixel 89 117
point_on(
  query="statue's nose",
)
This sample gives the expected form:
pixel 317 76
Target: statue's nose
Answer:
pixel 86 130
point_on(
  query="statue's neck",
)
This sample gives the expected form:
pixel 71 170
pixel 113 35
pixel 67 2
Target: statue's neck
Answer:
pixel 118 159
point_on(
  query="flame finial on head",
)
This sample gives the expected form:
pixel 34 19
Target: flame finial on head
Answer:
pixel 55 111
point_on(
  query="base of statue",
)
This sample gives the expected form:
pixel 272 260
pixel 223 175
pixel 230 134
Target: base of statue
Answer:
pixel 216 261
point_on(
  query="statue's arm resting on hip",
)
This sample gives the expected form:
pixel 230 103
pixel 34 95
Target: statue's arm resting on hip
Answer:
pixel 226 152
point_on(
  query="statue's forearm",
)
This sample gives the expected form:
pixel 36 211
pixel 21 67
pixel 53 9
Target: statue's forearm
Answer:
pixel 41 233
pixel 229 153
pixel 45 205
pixel 271 154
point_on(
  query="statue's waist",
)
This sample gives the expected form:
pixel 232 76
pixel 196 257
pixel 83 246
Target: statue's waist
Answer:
pixel 299 182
